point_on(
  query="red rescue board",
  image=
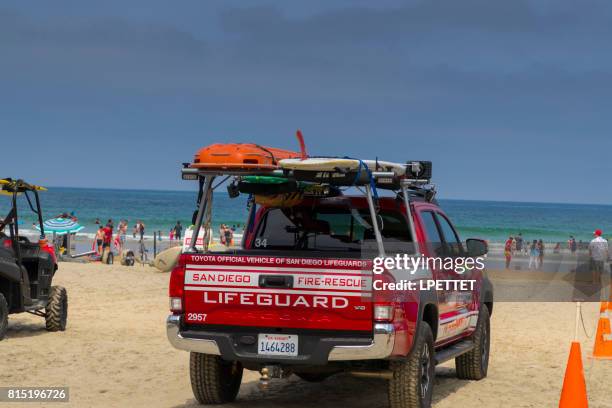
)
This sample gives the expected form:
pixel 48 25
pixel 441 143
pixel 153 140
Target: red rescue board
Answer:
pixel 240 156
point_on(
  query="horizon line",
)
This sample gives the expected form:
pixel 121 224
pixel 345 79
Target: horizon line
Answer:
pixel 441 198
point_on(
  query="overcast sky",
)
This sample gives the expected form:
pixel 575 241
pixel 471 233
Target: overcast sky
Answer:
pixel 509 99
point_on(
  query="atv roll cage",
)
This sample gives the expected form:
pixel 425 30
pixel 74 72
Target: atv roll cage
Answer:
pixel 415 183
pixel 14 188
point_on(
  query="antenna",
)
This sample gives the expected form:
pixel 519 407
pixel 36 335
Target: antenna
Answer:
pixel 300 138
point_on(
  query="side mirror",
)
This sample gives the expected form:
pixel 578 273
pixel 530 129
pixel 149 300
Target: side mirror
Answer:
pixel 476 247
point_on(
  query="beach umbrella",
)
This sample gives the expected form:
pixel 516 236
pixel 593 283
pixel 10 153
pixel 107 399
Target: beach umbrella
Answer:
pixel 61 226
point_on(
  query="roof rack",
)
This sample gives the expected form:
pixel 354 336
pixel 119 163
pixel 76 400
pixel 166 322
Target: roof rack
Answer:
pixel 9 185
pixel 416 176
pixel 409 181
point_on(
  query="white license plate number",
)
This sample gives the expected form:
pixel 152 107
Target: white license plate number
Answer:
pixel 277 344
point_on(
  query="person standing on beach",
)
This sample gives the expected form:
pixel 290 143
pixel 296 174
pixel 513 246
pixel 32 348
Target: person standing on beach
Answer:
pixel 178 231
pixel 141 229
pixel 222 234
pixel 519 243
pixel 100 239
pixel 122 231
pixel 508 251
pixel 108 236
pixel 229 236
pixel 540 254
pixel 534 254
pixel 599 252
pixel 571 244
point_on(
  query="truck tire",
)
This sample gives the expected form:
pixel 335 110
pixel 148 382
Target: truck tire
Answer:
pixel 3 316
pixel 213 380
pixel 413 378
pixel 56 312
pixel 474 364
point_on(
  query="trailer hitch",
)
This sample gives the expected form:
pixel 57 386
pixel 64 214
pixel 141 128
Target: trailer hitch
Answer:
pixel 272 371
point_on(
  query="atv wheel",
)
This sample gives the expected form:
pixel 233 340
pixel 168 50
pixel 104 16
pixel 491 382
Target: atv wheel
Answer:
pixel 213 380
pixel 56 312
pixel 3 316
pixel 107 257
pixel 413 378
pixel 474 364
pixel 313 377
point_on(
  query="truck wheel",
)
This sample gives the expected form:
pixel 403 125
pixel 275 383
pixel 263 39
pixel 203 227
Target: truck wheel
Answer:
pixel 56 312
pixel 413 378
pixel 3 316
pixel 213 380
pixel 474 364
pixel 313 377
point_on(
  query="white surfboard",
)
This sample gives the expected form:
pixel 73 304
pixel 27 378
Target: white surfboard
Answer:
pixel 319 164
pixel 166 260
pixel 332 164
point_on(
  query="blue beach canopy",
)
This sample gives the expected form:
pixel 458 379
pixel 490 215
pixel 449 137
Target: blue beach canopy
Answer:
pixel 61 226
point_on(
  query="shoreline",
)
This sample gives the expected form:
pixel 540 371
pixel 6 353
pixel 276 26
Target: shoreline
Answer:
pixel 553 261
pixel 84 236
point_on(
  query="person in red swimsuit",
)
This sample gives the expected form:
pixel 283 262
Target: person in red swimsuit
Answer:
pixel 508 251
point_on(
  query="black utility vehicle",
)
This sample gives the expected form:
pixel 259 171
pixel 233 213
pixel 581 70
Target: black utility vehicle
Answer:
pixel 27 268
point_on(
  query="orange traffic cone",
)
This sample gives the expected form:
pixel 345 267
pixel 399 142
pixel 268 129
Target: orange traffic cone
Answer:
pixel 573 393
pixel 603 338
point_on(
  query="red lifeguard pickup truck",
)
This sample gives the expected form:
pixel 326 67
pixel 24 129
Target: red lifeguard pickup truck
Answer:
pixel 300 297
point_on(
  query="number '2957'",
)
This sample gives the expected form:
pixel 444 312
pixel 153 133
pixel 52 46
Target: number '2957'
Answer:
pixel 196 317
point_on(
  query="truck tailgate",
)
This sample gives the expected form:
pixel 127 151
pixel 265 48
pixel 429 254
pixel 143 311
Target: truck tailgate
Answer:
pixel 277 292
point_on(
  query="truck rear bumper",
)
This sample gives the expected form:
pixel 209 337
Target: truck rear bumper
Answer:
pixel 198 345
pixel 320 350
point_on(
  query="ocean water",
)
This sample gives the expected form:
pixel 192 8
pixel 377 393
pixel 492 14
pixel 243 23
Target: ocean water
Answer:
pixel 160 210
pixel 551 222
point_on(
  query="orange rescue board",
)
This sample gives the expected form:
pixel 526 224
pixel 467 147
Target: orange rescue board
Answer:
pixel 236 156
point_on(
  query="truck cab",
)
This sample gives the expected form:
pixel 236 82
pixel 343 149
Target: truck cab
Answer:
pixel 302 295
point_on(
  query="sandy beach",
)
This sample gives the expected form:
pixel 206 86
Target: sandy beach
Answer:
pixel 115 354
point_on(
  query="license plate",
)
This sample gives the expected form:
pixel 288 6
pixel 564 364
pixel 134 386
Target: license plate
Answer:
pixel 277 344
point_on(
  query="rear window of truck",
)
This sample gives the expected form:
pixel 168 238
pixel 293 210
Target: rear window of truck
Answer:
pixel 326 229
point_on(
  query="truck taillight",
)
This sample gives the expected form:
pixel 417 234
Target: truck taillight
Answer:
pixel 176 289
pixel 383 313
pixel 176 304
pixel 384 305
